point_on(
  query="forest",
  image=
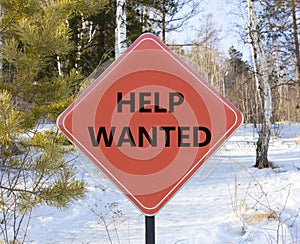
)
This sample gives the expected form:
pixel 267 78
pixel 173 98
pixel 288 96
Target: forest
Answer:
pixel 51 50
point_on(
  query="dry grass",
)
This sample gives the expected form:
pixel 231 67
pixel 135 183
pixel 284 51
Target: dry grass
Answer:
pixel 298 140
pixel 258 217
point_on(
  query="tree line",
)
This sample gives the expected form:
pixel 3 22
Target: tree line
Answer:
pixel 266 89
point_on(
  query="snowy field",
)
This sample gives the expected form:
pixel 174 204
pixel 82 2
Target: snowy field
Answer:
pixel 227 201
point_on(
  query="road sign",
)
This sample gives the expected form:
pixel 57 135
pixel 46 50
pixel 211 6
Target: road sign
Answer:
pixel 149 122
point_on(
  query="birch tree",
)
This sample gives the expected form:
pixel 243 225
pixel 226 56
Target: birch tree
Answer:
pixel 90 24
pixel 120 41
pixel 261 75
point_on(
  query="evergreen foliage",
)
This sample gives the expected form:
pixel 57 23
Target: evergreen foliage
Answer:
pixel 33 170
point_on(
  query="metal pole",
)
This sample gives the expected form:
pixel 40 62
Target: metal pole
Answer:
pixel 150 229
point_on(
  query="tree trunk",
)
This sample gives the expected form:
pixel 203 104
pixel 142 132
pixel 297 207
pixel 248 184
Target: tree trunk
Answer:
pixel 262 85
pixel 120 35
pixel 59 66
pixel 144 18
pixel 296 39
pixel 163 22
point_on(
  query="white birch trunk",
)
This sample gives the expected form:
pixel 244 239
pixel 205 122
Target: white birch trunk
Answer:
pixel 120 33
pixel 59 66
pixel 263 86
pixel 144 18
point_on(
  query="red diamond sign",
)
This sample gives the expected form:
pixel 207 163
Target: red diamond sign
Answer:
pixel 149 122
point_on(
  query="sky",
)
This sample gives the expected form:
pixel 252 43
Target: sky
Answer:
pixel 226 15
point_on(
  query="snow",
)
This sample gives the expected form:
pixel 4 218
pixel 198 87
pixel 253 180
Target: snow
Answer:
pixel 226 201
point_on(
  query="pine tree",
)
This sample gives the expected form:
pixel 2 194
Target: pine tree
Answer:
pixel 240 86
pixel 33 170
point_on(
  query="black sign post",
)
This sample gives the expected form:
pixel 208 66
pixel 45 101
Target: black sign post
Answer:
pixel 150 229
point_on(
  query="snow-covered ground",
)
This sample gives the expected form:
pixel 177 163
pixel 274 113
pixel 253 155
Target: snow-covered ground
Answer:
pixel 227 201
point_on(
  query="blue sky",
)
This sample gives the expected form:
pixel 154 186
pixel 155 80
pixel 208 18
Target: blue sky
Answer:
pixel 226 14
